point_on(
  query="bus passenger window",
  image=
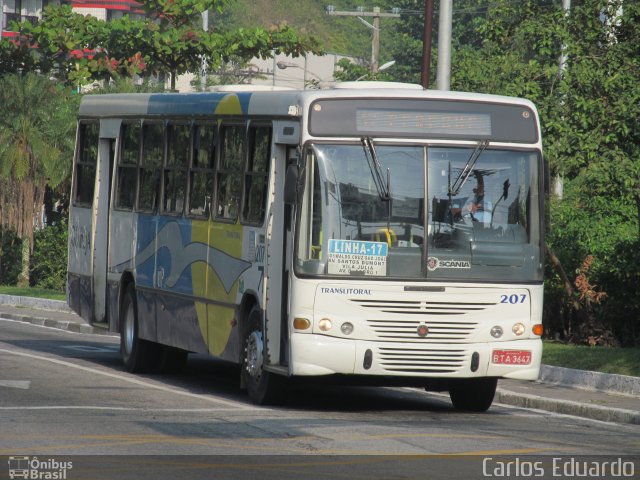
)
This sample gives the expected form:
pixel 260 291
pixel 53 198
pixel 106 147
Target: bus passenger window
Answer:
pixel 175 171
pixel 128 166
pixel 230 171
pixel 201 174
pixel 257 175
pixel 86 163
pixel 152 153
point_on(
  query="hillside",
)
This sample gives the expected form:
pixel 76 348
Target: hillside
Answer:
pixel 335 34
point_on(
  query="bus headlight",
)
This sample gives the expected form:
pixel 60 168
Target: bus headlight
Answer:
pixel 496 332
pixel 325 324
pixel 346 328
pixel 518 329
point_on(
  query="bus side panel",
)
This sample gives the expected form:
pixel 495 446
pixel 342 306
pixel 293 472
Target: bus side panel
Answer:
pixel 225 268
pixel 179 263
pixel 80 262
pixel 122 232
pixel 178 323
pixel 113 304
pixel 146 274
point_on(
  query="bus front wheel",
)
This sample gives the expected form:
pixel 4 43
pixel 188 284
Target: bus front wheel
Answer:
pixel 138 356
pixel 473 394
pixel 263 387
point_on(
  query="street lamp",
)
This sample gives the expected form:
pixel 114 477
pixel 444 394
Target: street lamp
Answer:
pixel 282 65
pixel 383 67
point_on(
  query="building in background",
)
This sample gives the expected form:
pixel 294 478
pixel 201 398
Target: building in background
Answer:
pixel 21 10
pixel 31 10
pixel 108 9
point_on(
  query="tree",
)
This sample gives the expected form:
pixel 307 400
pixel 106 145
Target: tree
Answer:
pixel 81 49
pixel 36 145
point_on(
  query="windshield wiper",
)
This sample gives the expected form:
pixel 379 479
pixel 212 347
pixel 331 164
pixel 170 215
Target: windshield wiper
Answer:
pixel 376 170
pixel 468 168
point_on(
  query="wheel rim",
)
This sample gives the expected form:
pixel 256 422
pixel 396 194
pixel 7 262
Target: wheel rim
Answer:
pixel 254 358
pixel 128 330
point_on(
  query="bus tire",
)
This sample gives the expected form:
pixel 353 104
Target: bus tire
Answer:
pixel 473 394
pixel 138 356
pixel 263 387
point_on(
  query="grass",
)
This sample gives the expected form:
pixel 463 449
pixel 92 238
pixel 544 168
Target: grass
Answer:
pixel 621 361
pixel 33 292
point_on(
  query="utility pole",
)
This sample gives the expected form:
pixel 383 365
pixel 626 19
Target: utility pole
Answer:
pixel 557 187
pixel 562 63
pixel 375 41
pixel 205 28
pixel 427 35
pixel 443 80
pixel 375 37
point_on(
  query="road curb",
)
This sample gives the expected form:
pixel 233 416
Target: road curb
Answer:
pixel 59 324
pixel 39 303
pixel 594 381
pixel 567 407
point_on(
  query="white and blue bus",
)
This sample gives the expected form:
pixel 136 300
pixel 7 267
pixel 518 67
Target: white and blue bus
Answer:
pixel 376 232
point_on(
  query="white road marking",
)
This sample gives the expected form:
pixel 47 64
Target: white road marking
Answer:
pixel 22 384
pixel 135 381
pixel 126 409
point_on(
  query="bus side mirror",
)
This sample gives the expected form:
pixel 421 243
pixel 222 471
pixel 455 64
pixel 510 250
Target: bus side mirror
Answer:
pixel 291 185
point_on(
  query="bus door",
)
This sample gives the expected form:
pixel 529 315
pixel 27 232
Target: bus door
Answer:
pixel 109 130
pixel 286 136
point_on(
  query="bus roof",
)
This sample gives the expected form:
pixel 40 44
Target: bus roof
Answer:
pixel 274 103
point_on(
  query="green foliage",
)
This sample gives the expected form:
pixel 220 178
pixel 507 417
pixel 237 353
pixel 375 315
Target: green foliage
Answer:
pixel 36 127
pixel 49 258
pixel 583 224
pixel 10 256
pixel 37 144
pixel 36 149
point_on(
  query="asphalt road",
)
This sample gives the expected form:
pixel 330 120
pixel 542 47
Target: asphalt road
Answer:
pixel 66 394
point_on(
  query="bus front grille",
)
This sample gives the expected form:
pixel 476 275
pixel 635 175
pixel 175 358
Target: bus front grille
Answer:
pixel 437 331
pixel 412 307
pixel 421 360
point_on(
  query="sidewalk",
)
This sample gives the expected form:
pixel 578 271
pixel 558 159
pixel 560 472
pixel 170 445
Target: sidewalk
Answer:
pixel 609 398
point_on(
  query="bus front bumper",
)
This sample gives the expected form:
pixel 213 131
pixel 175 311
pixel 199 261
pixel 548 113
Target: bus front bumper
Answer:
pixel 313 355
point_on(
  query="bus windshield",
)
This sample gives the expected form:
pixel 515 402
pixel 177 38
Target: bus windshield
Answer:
pixel 451 213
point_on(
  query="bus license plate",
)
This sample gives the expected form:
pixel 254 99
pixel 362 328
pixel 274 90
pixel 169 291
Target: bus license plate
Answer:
pixel 511 357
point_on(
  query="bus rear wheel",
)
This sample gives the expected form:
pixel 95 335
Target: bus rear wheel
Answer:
pixel 473 394
pixel 138 356
pixel 263 387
